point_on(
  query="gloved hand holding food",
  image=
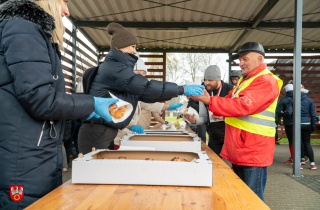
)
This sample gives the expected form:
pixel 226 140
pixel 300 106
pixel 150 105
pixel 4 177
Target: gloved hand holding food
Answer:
pixel 193 90
pixel 102 107
pixel 117 112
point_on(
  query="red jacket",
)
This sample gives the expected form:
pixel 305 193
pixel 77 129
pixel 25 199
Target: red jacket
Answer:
pixel 242 147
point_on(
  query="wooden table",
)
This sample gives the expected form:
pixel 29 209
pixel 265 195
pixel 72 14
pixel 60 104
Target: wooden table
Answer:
pixel 228 192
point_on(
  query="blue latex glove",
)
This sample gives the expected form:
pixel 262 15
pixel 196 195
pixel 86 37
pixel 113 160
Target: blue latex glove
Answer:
pixel 174 106
pixel 101 106
pixel 137 128
pixel 193 90
pixel 93 115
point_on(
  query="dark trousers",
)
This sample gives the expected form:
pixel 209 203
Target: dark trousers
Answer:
pixel 306 149
pixel 216 132
pixel 254 177
pixel 202 132
pixel 289 133
pixel 75 127
pixel 96 135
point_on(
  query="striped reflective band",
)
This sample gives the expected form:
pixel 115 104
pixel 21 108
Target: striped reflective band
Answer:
pixel 258 121
pixel 267 113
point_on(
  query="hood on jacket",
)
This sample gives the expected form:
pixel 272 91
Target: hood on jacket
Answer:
pixel 304 96
pixel 290 94
pixel 21 9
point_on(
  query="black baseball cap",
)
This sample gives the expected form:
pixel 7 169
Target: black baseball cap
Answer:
pixel 249 47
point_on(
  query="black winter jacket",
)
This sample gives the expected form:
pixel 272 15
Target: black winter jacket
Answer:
pixel 194 104
pixel 281 107
pixel 30 101
pixel 225 89
pixel 217 129
pixel 285 109
pixel 116 75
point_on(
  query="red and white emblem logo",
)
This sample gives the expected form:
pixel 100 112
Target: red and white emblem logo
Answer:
pixel 16 192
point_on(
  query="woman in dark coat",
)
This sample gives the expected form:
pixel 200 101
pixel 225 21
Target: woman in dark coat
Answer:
pixel 115 75
pixel 34 104
pixel 308 124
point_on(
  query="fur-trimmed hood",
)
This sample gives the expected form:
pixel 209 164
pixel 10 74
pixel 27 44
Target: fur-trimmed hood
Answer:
pixel 29 11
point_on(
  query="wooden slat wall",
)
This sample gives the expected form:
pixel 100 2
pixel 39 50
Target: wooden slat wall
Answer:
pixel 312 83
pixel 313 87
pixel 84 61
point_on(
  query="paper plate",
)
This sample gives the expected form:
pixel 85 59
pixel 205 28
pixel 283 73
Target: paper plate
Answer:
pixel 121 103
pixel 191 111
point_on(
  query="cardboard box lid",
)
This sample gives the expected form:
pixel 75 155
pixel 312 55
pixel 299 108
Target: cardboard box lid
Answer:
pixel 160 137
pixel 173 131
pixel 163 156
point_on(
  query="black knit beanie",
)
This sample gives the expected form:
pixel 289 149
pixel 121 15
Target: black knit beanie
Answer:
pixel 121 37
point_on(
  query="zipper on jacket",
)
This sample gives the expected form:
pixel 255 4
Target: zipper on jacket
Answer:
pixel 41 132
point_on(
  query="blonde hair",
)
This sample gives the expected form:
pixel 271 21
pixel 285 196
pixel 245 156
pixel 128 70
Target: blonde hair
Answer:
pixel 53 7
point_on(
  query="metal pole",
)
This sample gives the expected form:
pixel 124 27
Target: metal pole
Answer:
pixel 164 73
pixel 98 57
pixel 74 57
pixel 230 82
pixel 164 66
pixel 297 88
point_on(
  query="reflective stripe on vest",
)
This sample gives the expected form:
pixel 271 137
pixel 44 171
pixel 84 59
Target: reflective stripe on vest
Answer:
pixel 262 123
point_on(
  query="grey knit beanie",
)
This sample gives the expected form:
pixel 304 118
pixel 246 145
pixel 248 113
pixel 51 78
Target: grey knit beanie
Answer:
pixel 236 74
pixel 121 37
pixel 212 73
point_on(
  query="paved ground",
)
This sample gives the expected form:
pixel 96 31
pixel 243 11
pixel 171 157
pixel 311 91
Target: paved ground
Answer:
pixel 284 191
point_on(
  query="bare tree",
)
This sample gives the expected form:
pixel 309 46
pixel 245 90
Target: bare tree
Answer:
pixel 172 73
pixel 194 64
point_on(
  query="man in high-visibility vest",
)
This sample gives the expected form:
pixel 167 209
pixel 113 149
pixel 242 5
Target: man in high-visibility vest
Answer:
pixel 249 111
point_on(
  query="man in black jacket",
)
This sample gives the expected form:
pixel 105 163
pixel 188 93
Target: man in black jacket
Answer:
pixel 216 126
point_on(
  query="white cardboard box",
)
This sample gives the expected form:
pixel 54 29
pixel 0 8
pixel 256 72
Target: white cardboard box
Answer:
pixel 168 132
pixel 162 142
pixel 135 170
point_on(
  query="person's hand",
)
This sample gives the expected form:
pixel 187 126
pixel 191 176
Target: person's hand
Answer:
pixel 205 98
pixel 93 115
pixel 216 117
pixel 313 129
pixel 174 106
pixel 137 128
pixel 190 118
pixel 193 90
pixel 102 107
pixel 178 117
